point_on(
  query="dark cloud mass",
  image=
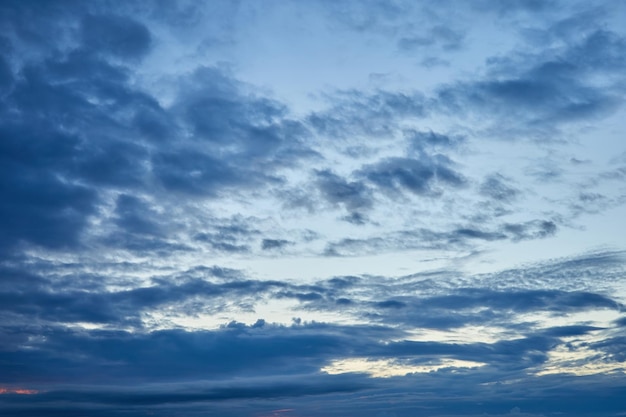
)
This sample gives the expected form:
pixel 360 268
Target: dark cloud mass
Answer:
pixel 325 208
pixel 414 175
pixel 353 195
pixel 118 36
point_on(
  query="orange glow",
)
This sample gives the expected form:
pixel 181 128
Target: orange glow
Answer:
pixel 20 391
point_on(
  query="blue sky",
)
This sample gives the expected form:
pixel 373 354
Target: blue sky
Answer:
pixel 312 208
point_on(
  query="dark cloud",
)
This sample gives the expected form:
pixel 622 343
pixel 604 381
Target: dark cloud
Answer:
pixel 189 172
pixel 118 36
pixel 535 229
pixel 420 140
pixel 536 100
pixel 352 195
pixel 423 175
pixel 457 238
pixel 234 235
pixel 390 304
pixel 420 176
pixel 523 301
pixel 176 355
pixel 479 306
pixel 135 216
pixel 45 301
pixel 77 128
pixel 219 111
pixel 621 322
pixel 465 233
pixel 515 5
pixel 47 149
pixel 270 389
pixel 239 141
pixel 32 23
pixel 356 218
pixel 41 209
pixel 6 75
pixel 499 304
pixel 398 240
pixel 543 89
pixel 568 331
pixel 269 244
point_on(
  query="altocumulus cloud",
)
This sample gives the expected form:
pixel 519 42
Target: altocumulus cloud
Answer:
pixel 322 208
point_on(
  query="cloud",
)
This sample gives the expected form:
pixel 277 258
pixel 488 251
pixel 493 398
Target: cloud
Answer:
pixel 551 87
pixel 421 140
pixel 189 172
pixel 192 355
pixel 45 301
pixel 133 216
pixel 118 36
pixel 225 140
pixel 419 176
pixel 80 132
pixel 442 36
pixel 495 186
pixel 277 350
pixel 454 238
pixel 531 230
pixel 355 113
pixel 411 26
pixel 47 149
pixel 270 244
pixel 479 306
pixel 352 195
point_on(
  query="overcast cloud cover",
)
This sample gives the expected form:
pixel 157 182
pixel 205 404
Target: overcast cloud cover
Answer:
pixel 312 208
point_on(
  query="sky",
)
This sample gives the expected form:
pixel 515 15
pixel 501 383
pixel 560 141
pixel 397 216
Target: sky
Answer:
pixel 324 208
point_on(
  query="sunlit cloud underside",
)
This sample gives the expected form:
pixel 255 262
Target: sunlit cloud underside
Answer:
pixel 386 368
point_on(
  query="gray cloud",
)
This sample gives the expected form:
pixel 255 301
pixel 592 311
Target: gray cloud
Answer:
pixel 118 36
pixel 353 195
pixel 543 89
pixel 496 187
pixel 442 36
pixel 355 113
pixel 420 176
